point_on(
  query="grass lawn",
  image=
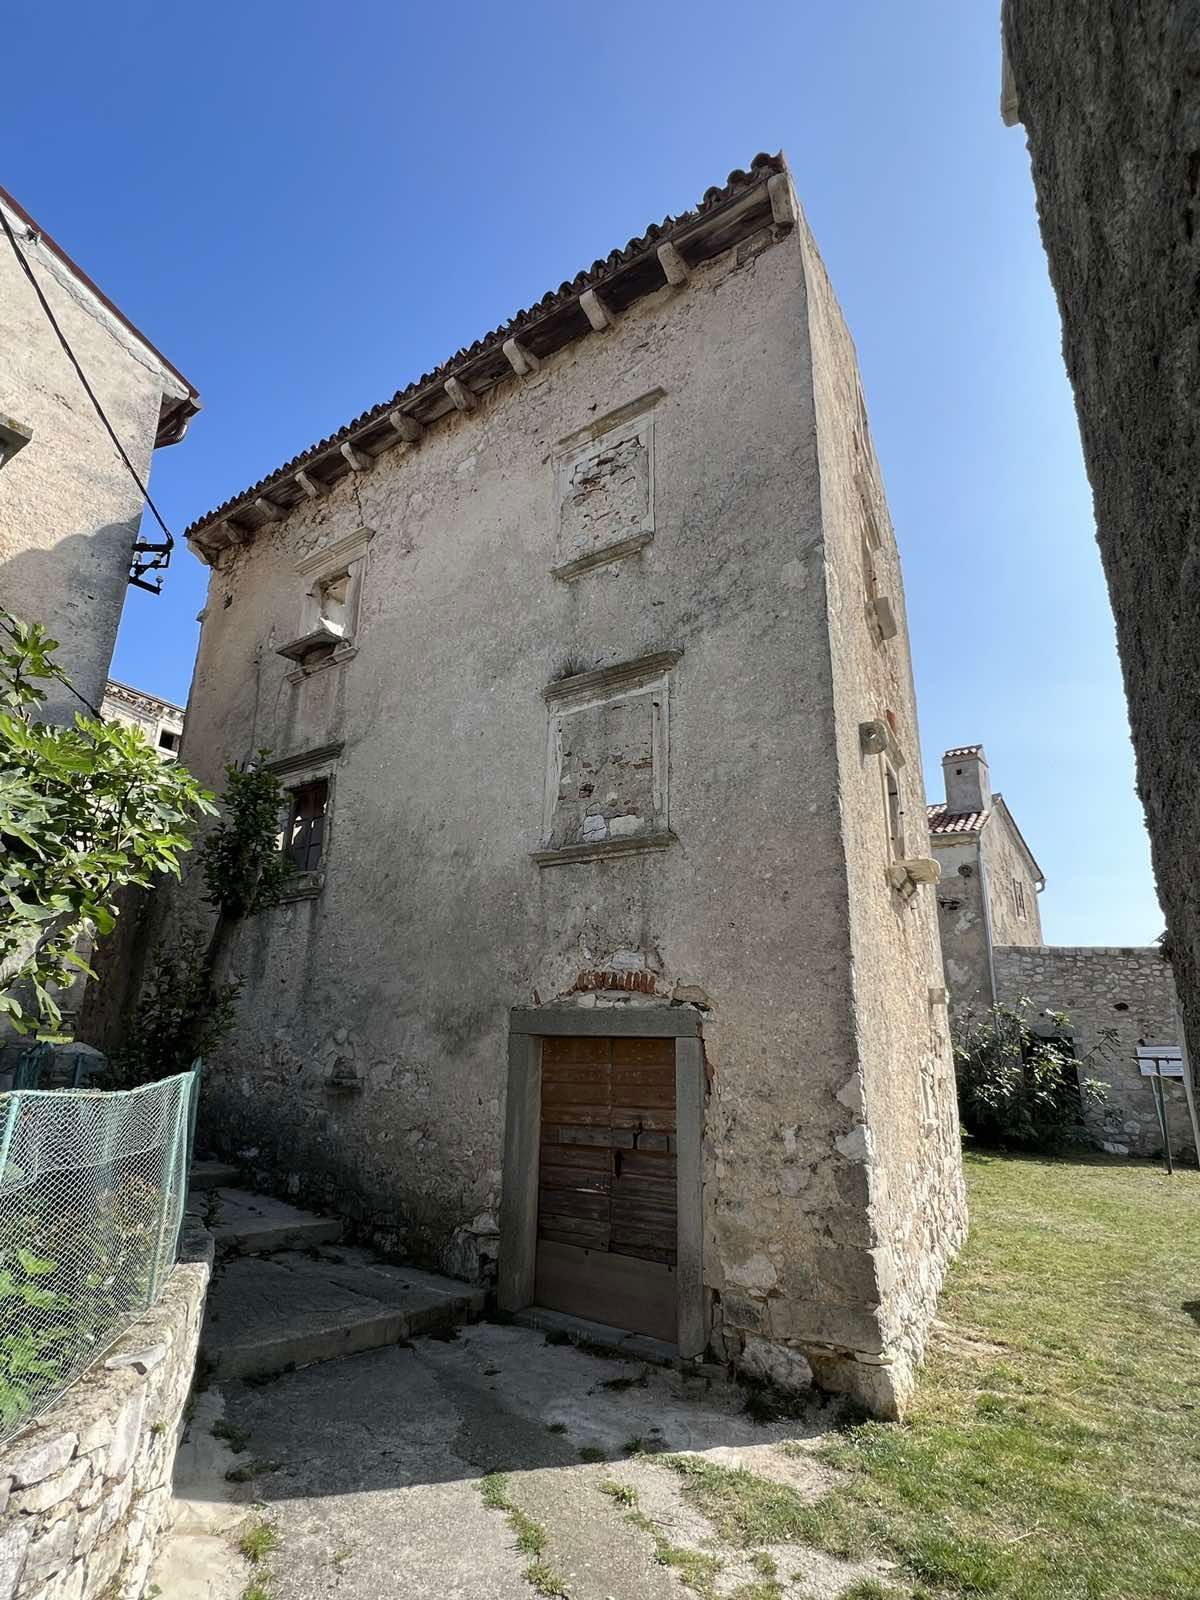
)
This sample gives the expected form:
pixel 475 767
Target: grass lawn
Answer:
pixel 1053 1452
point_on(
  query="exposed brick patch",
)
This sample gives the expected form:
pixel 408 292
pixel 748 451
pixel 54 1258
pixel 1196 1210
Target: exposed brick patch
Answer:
pixel 630 982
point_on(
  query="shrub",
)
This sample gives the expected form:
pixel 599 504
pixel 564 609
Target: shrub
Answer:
pixel 181 1014
pixel 84 811
pixel 1020 1084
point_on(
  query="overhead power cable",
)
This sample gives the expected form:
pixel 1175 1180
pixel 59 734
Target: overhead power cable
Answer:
pixel 163 550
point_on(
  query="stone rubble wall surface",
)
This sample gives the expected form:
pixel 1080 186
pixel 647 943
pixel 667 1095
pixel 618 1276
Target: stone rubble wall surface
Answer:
pixel 1129 990
pixel 1109 97
pixel 901 1214
pixel 86 1489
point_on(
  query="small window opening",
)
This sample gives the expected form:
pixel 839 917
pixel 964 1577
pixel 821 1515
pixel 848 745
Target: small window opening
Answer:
pixel 167 740
pixel 331 596
pixel 1121 1005
pixel 305 835
pixel 1019 906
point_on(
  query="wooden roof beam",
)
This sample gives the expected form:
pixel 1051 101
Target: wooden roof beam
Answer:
pixel 463 398
pixel 312 487
pixel 357 460
pixel 595 310
pixel 522 361
pixel 409 429
pixel 675 268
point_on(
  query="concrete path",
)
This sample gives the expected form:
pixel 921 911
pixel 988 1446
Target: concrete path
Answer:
pixel 374 1472
pixel 288 1309
pixel 387 1451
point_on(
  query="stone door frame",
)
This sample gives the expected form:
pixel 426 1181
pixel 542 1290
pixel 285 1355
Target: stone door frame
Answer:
pixel 528 1026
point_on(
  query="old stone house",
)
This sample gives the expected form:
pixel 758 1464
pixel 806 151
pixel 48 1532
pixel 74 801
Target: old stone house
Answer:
pixel 1114 999
pixel 988 891
pixel 610 949
pixel 159 721
pixel 69 507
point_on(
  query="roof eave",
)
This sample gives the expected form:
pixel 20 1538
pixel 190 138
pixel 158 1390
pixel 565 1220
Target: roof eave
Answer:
pixel 52 244
pixel 748 202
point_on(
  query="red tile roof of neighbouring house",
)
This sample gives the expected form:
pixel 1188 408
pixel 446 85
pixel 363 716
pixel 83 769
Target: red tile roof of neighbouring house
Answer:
pixel 943 821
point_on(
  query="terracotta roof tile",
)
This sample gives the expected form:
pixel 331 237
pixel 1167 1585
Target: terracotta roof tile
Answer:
pixel 554 304
pixel 944 822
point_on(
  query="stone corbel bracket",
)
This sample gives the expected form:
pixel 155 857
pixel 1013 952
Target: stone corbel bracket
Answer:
pixel 877 739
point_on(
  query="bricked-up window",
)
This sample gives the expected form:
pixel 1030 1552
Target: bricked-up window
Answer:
pixel 305 836
pixel 1018 889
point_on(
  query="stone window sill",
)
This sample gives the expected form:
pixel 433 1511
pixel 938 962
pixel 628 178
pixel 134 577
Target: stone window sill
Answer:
pixel 302 886
pixel 339 658
pixel 601 557
pixel 603 848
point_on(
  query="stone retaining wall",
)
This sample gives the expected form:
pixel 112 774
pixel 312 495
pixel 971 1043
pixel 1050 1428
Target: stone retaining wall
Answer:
pixel 85 1490
pixel 1129 990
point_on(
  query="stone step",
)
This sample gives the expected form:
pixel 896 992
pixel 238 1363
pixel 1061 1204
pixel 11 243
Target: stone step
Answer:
pixel 243 1223
pixel 270 1313
pixel 212 1175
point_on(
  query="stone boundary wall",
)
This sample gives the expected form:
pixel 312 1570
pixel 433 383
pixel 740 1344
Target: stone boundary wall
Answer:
pixel 85 1490
pixel 1129 989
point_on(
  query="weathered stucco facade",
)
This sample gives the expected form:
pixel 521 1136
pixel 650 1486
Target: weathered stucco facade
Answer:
pixel 1109 95
pixel 606 675
pixel 69 508
pixel 1105 990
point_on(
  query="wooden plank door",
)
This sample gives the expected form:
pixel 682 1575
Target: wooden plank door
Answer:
pixel 607 1224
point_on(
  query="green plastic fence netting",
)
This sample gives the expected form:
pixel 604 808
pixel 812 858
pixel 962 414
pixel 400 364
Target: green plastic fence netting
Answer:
pixel 92 1190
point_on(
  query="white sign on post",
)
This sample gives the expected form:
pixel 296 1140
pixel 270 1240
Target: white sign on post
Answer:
pixel 1160 1060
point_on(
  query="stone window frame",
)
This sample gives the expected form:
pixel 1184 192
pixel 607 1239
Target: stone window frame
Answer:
pixel 648 677
pixel 317 765
pixel 893 809
pixel 528 1026
pixel 583 442
pixel 344 558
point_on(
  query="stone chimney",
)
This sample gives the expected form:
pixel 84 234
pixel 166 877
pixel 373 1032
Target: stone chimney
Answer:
pixel 968 787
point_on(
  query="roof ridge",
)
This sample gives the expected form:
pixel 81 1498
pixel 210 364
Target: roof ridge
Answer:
pixel 738 183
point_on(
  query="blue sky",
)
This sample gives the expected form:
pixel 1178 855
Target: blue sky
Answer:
pixel 305 208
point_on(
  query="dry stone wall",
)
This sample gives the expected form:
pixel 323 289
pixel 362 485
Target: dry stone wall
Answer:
pixel 85 1490
pixel 1127 990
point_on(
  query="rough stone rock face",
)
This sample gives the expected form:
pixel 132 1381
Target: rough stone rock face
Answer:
pixel 1129 992
pixel 85 1489
pixel 1109 95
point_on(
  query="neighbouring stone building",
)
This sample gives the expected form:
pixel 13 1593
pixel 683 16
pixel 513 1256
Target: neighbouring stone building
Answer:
pixel 611 950
pixel 159 721
pixel 1109 96
pixel 991 934
pixel 69 507
pixel 988 891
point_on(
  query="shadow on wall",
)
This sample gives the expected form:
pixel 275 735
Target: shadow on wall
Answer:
pixel 77 589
